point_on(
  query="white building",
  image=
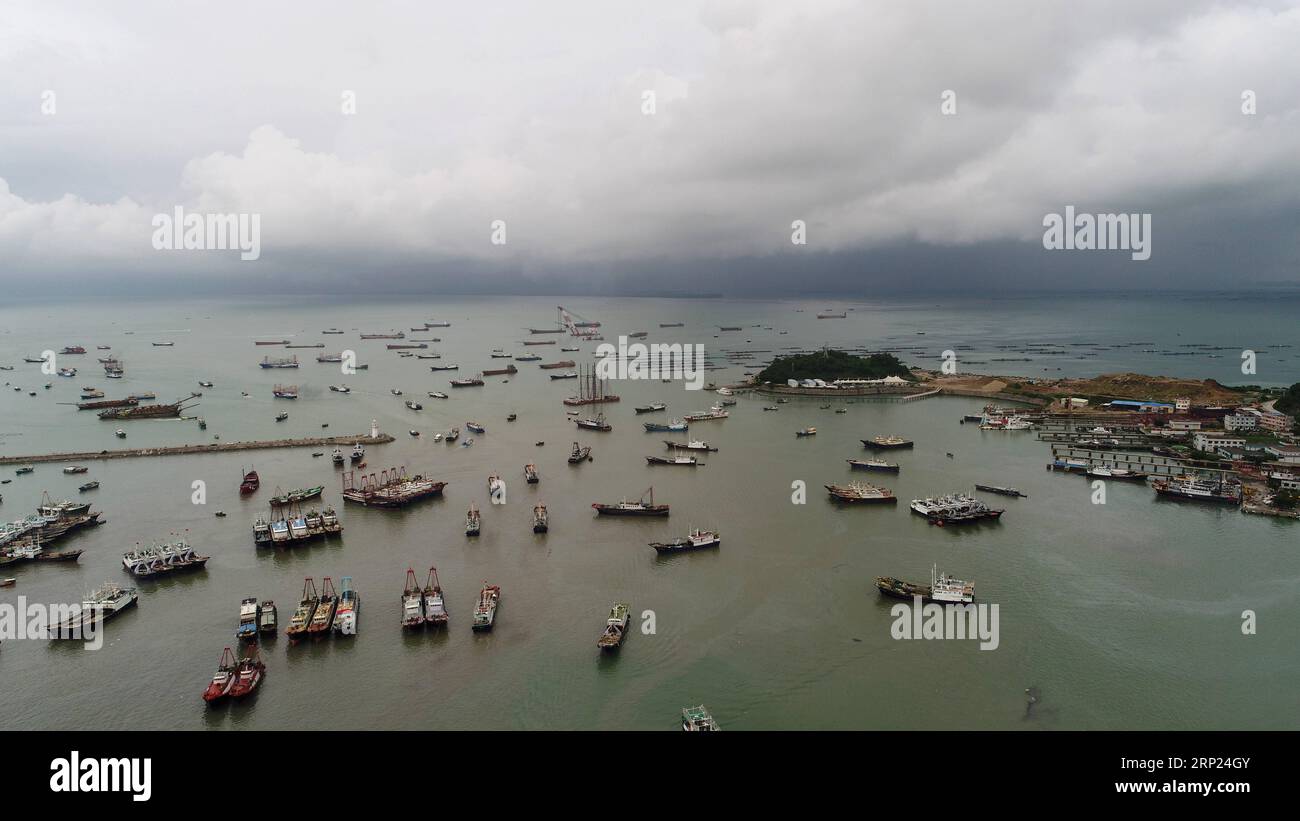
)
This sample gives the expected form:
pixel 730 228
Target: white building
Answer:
pixel 1240 421
pixel 1289 454
pixel 1182 405
pixel 1211 442
pixel 1184 424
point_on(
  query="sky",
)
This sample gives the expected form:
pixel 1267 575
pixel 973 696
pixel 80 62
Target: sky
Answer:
pixel 385 145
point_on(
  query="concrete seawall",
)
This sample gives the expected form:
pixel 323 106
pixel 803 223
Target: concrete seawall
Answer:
pixel 187 450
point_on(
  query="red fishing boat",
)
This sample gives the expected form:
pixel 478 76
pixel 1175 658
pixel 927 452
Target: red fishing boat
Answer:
pixel 224 678
pixel 248 676
pixel 251 483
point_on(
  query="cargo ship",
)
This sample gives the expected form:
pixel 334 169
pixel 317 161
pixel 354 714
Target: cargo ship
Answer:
pixel 302 615
pixel 678 461
pixel 694 444
pixel 591 390
pixel 942 589
pixel 322 621
pixel 550 366
pixel 435 609
pixel 171 411
pixel 398 335
pixel 506 371
pixel 268 362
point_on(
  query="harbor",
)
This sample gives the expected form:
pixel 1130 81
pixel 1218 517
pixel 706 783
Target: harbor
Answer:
pixel 191 450
pixel 790 600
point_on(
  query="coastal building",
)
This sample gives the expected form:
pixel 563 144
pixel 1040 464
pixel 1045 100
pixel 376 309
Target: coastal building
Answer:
pixel 1182 405
pixel 1074 402
pixel 1240 421
pixel 1146 406
pixel 858 383
pixel 1184 424
pixel 1288 454
pixel 1213 442
pixel 1276 422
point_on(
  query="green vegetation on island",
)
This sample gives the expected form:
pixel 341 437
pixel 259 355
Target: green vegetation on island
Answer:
pixel 1289 403
pixel 831 364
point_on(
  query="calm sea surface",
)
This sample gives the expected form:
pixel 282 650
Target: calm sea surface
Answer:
pixel 1123 615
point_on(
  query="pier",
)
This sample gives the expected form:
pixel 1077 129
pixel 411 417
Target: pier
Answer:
pixel 373 438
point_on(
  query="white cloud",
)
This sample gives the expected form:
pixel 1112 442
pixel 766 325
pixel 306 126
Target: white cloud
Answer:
pixel 822 111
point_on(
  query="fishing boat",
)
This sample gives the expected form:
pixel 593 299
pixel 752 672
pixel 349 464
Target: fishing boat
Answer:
pixel 326 606
pixel 280 417
pixel 391 489
pixel 579 454
pixel 103 604
pixel 437 395
pixel 592 390
pixel 473 521
pixel 435 610
pixel 512 417
pixel 303 614
pixel 653 407
pixel 485 612
pixel 716 412
pixel 1002 491
pixel 873 464
pixel 806 432
pixel 675 426
pixel 638 508
pixel 496 488
pixel 476 427
pixel 467 383
pixel 345 617
pixel 540 521
pixel 611 638
pixel 565 375
pixel 412 602
pixel 680 461
pixel 1198 489
pixel 223 679
pixel 693 444
pixel 299 495
pixel 337 456
pixel 74 469
pixel 887 443
pixel 415 406
pixel 530 474
pixel 696 540
pixel 248 676
pixel 358 452
pixel 698 719
pixel 24 470
pixel 594 423
pixel 956 508
pixel 1119 474
pixel 92 394
pixel 250 483
pixel 859 492
pixel 9 582
pixel 942 589
pixel 267 619
pixel 285 392
pixel 247 628
pixel 444 367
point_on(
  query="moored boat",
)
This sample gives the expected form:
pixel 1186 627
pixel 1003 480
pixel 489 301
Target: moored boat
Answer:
pixel 806 432
pixel 302 615
pixel 327 606
pixel 412 602
pixel 872 464
pixel 250 483
pixel 345 617
pixel 859 492
pixel 887 443
pixel 698 719
pixel 435 609
pixel 1198 489
pixel 653 407
pixel 247 628
pixel 942 589
pixel 579 454
pixel 998 489
pixel 485 612
pixel 696 540
pixel 249 675
pixel 268 619
pixel 223 679
pixel 473 521
pixel 620 615
pixel 541 523
pixel 638 508
pixel 693 444
pixel 679 461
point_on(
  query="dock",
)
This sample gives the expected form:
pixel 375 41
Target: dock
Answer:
pixel 189 450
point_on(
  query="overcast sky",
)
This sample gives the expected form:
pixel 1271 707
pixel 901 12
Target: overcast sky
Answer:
pixel 765 113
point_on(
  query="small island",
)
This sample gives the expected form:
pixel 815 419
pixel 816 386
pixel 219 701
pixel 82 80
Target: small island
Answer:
pixel 829 365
